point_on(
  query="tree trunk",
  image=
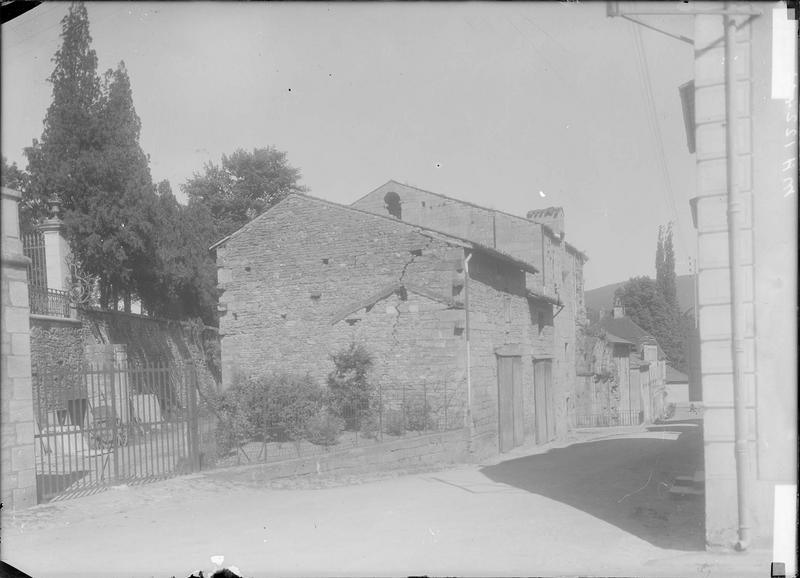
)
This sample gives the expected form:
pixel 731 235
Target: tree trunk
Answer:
pixel 127 301
pixel 115 298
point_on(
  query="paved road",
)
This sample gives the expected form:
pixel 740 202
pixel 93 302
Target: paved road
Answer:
pixel 592 508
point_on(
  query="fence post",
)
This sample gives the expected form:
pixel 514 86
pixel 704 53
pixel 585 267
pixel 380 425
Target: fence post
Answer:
pixel 194 438
pixel 264 415
pixel 111 380
pixel 404 406
pixel 380 411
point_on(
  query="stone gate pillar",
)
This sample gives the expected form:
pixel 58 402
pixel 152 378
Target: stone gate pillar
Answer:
pixel 18 481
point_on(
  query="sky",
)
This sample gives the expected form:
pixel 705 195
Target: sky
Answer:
pixel 514 106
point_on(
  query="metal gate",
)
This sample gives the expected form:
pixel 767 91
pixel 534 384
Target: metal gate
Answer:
pixel 99 426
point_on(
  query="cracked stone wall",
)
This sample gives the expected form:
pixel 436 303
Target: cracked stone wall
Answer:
pixel 296 284
pixel 560 269
pixel 288 275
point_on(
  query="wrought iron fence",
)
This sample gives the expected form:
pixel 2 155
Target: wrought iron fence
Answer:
pixel 52 302
pixel 101 426
pixel 276 428
pixel 609 419
pixel 33 248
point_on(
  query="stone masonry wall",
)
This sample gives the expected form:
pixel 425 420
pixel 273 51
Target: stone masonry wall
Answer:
pixel 513 235
pixel 291 274
pixel 18 474
pixel 560 268
pixel 59 349
pixel 501 314
pixel 296 285
pixel 408 454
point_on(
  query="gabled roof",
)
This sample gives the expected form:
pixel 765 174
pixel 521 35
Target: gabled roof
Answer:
pixel 611 338
pixel 675 376
pixel 433 234
pixel 547 229
pixel 626 328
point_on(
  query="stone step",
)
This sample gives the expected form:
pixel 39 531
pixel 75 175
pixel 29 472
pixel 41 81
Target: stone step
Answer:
pixel 686 491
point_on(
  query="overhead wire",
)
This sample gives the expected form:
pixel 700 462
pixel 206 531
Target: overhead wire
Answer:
pixel 652 120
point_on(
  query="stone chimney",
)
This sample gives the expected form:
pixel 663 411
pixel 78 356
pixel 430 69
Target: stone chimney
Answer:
pixel 619 309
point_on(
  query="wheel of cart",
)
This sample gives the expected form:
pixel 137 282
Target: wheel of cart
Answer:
pixel 108 429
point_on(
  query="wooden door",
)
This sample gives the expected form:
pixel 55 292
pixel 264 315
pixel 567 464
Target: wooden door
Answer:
pixel 511 425
pixel 519 415
pixel 542 374
pixel 505 401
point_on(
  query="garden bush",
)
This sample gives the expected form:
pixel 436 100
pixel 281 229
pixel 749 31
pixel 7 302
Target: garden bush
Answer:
pixel 418 415
pixel 266 408
pixel 324 428
pixel 351 396
pixel 394 422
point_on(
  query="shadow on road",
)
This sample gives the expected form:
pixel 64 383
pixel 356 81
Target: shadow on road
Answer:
pixel 624 481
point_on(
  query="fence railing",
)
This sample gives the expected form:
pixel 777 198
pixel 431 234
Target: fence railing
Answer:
pixel 277 427
pixel 608 419
pixel 44 301
pixel 33 247
pixel 98 426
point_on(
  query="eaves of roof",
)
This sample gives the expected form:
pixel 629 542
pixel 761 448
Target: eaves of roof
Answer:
pixel 546 228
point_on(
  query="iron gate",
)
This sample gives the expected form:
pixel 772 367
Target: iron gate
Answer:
pixel 99 426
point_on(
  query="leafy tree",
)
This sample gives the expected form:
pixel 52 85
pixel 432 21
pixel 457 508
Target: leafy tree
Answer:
pixel 112 226
pixel 351 393
pixel 243 186
pixel 653 305
pixel 15 178
pixel 185 283
pixel 665 266
pixel 70 137
pixel 89 155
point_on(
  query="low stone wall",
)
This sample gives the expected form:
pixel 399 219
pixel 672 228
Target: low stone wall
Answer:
pixel 417 452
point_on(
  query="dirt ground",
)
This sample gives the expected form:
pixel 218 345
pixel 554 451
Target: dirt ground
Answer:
pixel 597 507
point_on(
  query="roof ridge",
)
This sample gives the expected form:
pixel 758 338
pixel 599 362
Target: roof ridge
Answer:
pixel 466 243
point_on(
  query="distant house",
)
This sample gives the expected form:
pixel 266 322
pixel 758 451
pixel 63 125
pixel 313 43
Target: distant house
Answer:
pixel 677 386
pixel 622 374
pixel 438 311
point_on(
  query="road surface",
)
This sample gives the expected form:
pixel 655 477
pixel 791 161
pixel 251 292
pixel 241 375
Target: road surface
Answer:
pixel 598 508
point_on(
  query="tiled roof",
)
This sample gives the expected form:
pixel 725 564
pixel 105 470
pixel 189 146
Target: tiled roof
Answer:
pixel 626 328
pixel 675 376
pixel 547 229
pixel 466 243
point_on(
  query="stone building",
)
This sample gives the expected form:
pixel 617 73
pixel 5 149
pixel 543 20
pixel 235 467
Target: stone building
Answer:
pixel 622 372
pixel 539 239
pixel 307 277
pixel 18 481
pixel 740 503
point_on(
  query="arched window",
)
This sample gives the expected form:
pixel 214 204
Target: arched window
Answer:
pixel 392 201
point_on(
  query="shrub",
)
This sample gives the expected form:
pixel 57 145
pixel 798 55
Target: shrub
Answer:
pixel 351 395
pixel 418 415
pixel 266 408
pixel 370 426
pixel 394 422
pixel 324 428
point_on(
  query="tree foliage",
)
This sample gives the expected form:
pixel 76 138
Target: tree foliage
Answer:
pixel 653 304
pixel 89 156
pixel 243 186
